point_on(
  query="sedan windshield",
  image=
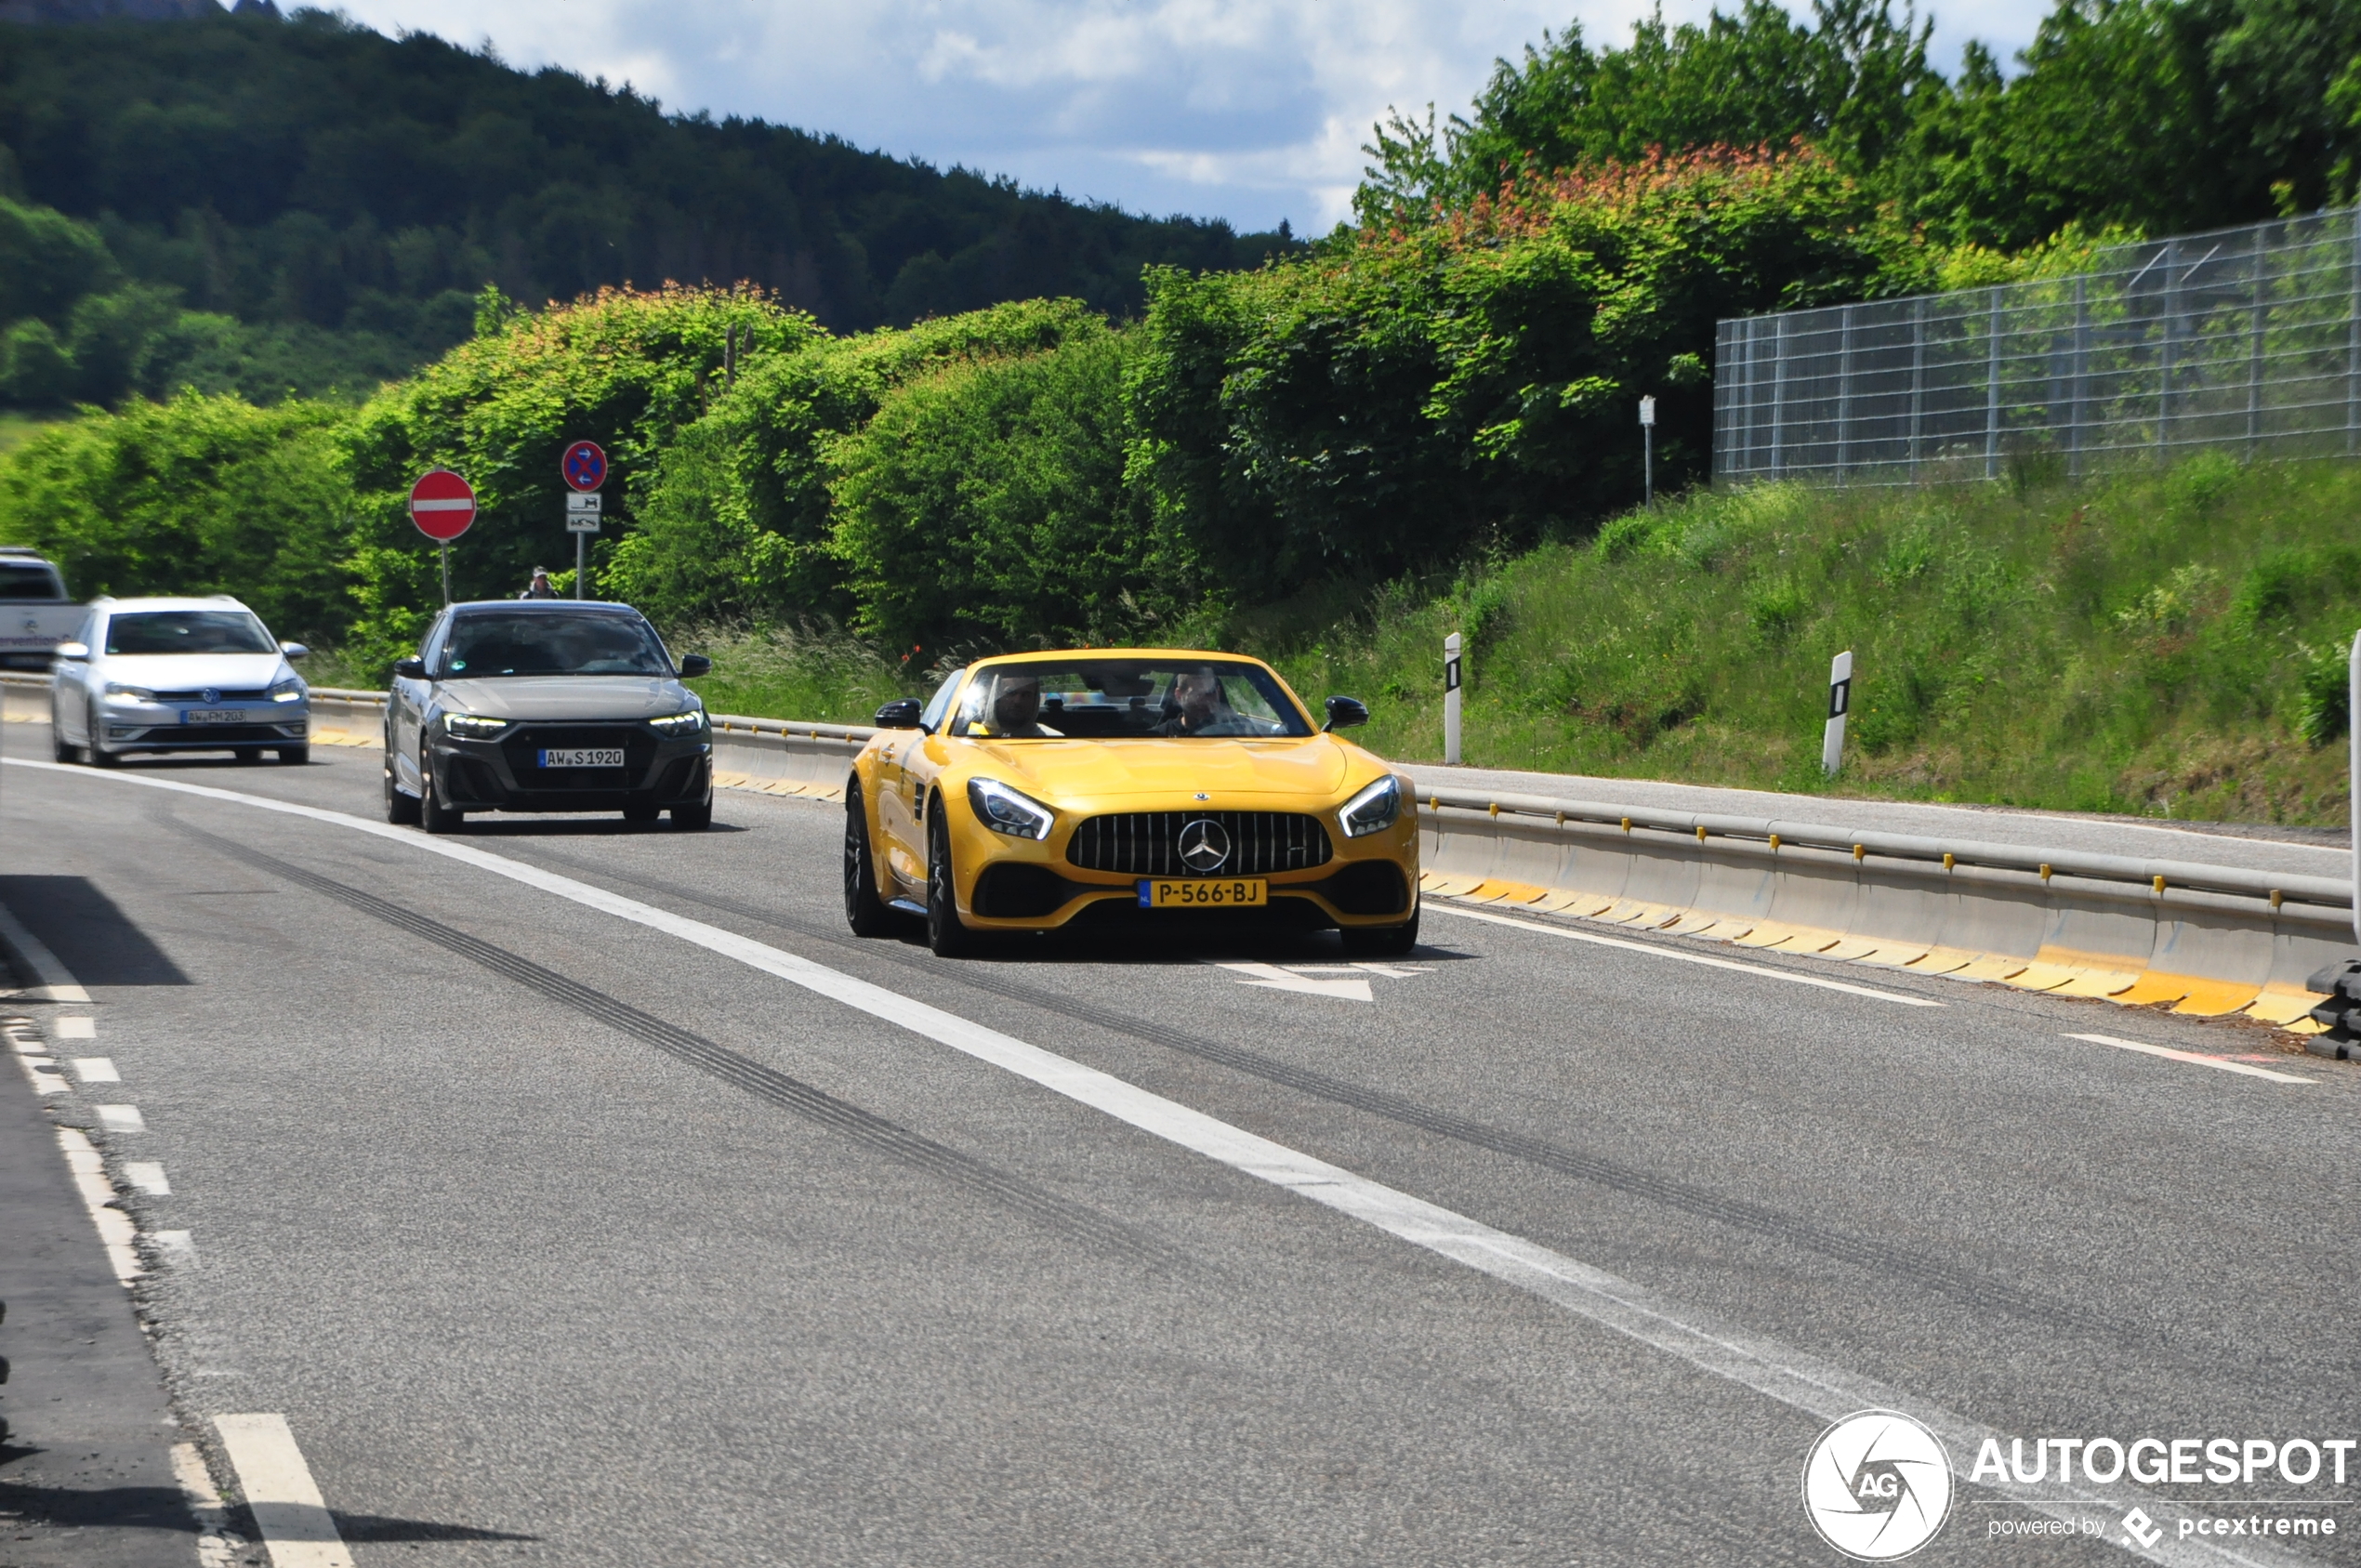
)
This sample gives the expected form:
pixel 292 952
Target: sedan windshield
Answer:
pixel 1104 698
pixel 188 631
pixel 548 642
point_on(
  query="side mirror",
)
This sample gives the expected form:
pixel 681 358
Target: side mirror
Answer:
pixel 1345 712
pixel 294 651
pixel 72 650
pixel 409 669
pixel 693 665
pixel 900 714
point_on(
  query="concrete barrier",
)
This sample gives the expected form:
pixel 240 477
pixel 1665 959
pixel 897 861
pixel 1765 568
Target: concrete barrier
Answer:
pixel 2204 939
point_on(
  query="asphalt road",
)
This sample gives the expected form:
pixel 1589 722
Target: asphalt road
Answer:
pixel 609 1202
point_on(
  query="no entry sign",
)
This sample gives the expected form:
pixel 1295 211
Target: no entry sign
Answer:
pixel 442 504
pixel 586 465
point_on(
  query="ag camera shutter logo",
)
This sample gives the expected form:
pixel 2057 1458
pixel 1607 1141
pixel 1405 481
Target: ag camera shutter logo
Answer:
pixel 1878 1486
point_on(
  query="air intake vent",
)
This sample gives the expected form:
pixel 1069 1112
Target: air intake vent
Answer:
pixel 1149 843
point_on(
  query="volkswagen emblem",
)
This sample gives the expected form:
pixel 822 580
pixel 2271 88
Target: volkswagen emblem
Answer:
pixel 212 695
pixel 1204 845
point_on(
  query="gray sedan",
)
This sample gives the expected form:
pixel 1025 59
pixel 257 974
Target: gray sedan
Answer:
pixel 558 705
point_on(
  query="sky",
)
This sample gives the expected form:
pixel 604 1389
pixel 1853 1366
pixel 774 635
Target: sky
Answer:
pixel 1253 110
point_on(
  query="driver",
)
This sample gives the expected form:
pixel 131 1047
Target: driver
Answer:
pixel 1016 709
pixel 1197 694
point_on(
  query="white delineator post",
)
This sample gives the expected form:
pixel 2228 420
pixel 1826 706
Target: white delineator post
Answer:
pixel 1648 447
pixel 2352 766
pixel 1840 700
pixel 1451 698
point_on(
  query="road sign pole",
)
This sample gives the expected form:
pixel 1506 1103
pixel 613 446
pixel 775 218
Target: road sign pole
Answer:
pixel 581 560
pixel 1648 448
pixel 445 552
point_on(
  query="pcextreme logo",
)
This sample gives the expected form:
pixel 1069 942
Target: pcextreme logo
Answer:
pixel 1876 1485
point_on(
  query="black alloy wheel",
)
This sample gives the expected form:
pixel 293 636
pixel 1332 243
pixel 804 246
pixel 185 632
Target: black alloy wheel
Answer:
pixel 433 815
pixel 400 810
pixel 946 933
pixel 694 819
pixel 1382 942
pixel 864 910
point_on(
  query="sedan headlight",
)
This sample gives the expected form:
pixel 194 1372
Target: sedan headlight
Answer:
pixel 1374 809
pixel 687 723
pixel 1004 811
pixel 289 691
pixel 467 727
pixel 118 692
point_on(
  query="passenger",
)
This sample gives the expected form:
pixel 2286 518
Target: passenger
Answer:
pixel 1198 705
pixel 539 587
pixel 1016 710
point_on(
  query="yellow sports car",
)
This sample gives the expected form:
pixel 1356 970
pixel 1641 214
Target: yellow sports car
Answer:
pixel 1127 785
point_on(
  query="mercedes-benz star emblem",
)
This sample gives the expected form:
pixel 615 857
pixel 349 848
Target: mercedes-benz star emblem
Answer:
pixel 1204 845
pixel 212 695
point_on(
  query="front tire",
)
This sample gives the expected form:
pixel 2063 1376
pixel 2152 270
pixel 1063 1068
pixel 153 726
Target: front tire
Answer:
pixel 1382 942
pixel 694 819
pixel 433 815
pixel 99 755
pixel 864 910
pixel 60 747
pixel 946 933
pixel 295 756
pixel 246 756
pixel 646 813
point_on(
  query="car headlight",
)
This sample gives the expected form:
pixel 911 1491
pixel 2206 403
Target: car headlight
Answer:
pixel 687 723
pixel 289 691
pixel 1004 811
pixel 1374 809
pixel 118 692
pixel 467 727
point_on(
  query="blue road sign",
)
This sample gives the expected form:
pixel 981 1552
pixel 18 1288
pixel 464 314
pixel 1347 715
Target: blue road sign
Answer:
pixel 586 465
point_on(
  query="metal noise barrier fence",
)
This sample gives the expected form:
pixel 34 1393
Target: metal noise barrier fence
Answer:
pixel 2244 338
pixel 2206 940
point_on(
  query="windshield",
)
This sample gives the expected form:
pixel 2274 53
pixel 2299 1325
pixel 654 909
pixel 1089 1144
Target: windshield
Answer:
pixel 548 642
pixel 26 579
pixel 188 631
pixel 1103 699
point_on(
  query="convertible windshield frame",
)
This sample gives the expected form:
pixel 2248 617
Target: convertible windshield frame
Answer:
pixel 517 644
pixel 1089 696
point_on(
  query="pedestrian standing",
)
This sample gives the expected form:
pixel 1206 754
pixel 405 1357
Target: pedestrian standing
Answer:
pixel 539 587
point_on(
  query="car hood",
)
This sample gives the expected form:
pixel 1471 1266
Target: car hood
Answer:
pixel 1065 770
pixel 180 672
pixel 567 696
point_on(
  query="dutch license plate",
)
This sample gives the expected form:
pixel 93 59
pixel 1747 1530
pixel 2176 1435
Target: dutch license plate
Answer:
pixel 1204 893
pixel 583 757
pixel 213 716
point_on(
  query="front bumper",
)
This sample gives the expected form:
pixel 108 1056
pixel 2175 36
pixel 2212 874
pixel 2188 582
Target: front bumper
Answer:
pixel 505 775
pixel 156 728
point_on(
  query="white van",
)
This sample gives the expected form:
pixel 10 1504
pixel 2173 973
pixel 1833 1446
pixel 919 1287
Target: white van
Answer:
pixel 35 614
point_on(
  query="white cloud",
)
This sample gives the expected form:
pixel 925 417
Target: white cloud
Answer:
pixel 1251 110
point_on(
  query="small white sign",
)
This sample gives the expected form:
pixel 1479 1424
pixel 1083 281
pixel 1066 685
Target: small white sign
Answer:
pixel 582 512
pixel 1647 411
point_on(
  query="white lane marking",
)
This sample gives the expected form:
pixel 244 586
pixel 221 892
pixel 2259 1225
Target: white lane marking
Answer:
pixel 1270 977
pixel 1770 1368
pixel 77 1027
pixel 175 1248
pixel 213 1548
pixel 96 1069
pixel 279 1493
pixel 122 1118
pixel 115 1230
pixel 2199 1058
pixel 148 1176
pixel 1653 952
pixel 53 983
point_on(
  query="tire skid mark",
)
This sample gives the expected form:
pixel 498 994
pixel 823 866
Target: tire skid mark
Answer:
pixel 815 1105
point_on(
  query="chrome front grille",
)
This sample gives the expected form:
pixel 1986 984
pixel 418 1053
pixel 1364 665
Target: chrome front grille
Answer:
pixel 1148 843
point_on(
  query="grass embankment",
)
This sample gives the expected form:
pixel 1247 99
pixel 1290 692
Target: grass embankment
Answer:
pixel 18 426
pixel 2152 643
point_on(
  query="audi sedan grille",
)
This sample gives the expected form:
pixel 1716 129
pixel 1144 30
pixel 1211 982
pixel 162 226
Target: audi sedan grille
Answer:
pixel 524 748
pixel 1149 843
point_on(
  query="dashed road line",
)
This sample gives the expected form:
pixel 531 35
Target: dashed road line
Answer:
pixel 1440 907
pixel 121 1118
pixel 115 1231
pixel 2199 1059
pixel 279 1493
pixel 77 1026
pixel 96 1069
pixel 1776 1371
pixel 148 1176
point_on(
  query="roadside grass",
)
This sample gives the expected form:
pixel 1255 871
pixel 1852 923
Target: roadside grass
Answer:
pixel 793 672
pixel 19 427
pixel 2159 643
